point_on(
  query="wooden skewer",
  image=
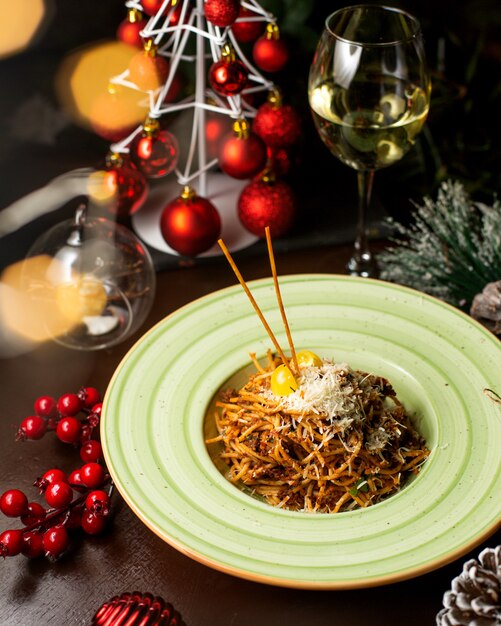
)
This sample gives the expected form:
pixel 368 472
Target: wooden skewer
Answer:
pixel 279 298
pixel 228 256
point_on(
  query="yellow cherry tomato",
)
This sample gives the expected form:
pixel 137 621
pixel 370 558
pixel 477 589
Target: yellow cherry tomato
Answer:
pixel 307 358
pixel 282 381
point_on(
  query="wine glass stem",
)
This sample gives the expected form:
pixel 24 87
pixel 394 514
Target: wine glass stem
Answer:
pixel 362 263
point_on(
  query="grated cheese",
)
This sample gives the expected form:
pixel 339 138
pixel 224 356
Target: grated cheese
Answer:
pixel 328 391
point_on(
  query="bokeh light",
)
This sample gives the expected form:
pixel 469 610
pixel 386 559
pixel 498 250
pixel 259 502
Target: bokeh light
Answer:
pixel 102 187
pixel 84 90
pixel 29 308
pixel 20 23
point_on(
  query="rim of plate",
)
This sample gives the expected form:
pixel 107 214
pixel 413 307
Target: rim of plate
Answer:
pixel 206 470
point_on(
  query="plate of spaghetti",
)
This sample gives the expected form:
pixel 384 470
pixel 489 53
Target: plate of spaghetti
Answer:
pixel 363 452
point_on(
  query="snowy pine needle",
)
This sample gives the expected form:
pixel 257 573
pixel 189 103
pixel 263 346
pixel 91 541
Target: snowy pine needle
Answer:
pixel 451 251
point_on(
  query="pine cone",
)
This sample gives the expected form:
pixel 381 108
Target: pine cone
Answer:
pixel 475 595
pixel 486 307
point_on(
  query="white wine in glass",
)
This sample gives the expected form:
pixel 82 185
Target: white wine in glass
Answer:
pixel 369 92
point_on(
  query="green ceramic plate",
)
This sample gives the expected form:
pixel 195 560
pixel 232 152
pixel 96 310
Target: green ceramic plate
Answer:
pixel 438 359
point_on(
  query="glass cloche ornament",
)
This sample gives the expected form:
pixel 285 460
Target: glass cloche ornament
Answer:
pixel 98 278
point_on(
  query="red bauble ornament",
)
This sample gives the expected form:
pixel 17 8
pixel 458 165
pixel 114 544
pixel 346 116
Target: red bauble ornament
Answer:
pixel 242 154
pixel 279 161
pixel 129 30
pixel 147 70
pixel 245 30
pixel 278 125
pixel 228 76
pixel 128 183
pixel 270 52
pixel 266 202
pixel 155 152
pixel 174 10
pixel 137 608
pixel 174 90
pixel 221 13
pixel 151 6
pixel 190 224
pixel 217 128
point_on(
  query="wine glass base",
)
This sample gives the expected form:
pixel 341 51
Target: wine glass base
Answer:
pixel 363 265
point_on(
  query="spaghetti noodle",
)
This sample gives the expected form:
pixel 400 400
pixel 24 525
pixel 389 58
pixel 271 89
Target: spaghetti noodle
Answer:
pixel 341 440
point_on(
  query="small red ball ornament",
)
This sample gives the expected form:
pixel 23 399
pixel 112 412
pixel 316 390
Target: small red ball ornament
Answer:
pixel 129 30
pixel 174 10
pixel 278 125
pixel 151 6
pixel 128 184
pixel 244 29
pixel 155 151
pixel 228 76
pixel 270 52
pixel 242 154
pixel 221 13
pixel 174 90
pixel 267 202
pixel 147 69
pixel 190 224
pixel 279 161
pixel 217 128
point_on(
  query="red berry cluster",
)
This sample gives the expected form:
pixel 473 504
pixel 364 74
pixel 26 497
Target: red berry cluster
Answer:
pixel 73 501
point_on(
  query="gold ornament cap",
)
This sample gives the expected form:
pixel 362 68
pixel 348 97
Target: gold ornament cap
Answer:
pixel 272 31
pixel 151 127
pixel 241 128
pixel 275 98
pixel 188 193
pixel 149 48
pixel 268 176
pixel 134 16
pixel 228 53
pixel 114 159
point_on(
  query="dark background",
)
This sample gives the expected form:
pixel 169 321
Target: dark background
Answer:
pixel 461 139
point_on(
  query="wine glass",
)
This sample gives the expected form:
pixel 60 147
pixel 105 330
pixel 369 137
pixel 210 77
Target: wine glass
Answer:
pixel 369 92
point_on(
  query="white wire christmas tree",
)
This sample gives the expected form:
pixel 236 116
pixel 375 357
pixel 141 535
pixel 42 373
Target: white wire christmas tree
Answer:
pixel 224 80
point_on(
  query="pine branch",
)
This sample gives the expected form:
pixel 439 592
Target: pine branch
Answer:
pixel 451 251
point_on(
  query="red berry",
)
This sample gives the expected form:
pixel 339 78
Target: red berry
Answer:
pixel 55 541
pixel 32 427
pixel 89 396
pixel 69 404
pixel 59 495
pixel 93 524
pixel 92 475
pixel 68 429
pixel 11 542
pixel 32 544
pixel 98 502
pixel 91 451
pixel 97 408
pixel 51 476
pixel 45 406
pixel 54 475
pixel 75 478
pixel 13 503
pixel 34 514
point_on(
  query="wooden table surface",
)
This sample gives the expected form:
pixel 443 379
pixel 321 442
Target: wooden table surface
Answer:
pixel 128 556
